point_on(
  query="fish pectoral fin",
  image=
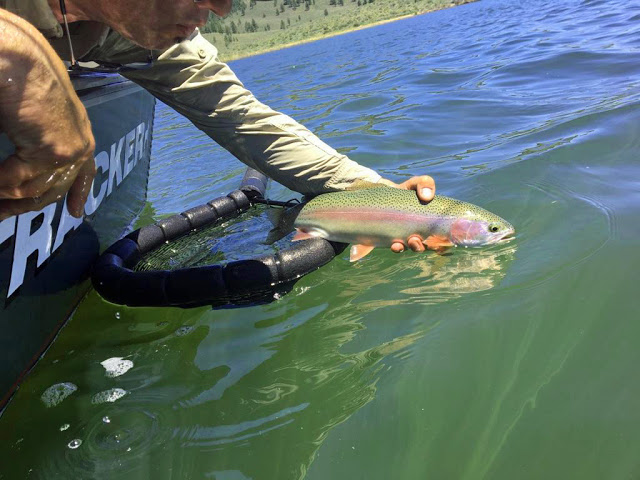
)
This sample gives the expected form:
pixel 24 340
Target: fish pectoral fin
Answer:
pixel 439 243
pixel 300 235
pixel 359 251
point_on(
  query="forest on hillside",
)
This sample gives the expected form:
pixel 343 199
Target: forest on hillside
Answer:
pixel 255 26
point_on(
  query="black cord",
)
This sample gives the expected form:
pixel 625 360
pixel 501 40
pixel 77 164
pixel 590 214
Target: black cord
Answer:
pixel 275 203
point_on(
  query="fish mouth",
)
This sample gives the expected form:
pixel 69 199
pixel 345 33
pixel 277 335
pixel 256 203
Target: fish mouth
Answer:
pixel 507 237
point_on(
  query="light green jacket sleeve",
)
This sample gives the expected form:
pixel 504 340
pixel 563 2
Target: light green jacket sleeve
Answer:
pixel 190 78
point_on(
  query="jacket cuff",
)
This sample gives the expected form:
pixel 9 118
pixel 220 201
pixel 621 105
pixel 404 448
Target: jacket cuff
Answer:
pixel 348 173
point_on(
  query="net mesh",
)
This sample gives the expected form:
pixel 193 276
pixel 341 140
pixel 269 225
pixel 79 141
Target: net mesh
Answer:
pixel 237 239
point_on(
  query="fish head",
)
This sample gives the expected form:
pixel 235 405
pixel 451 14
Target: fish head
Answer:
pixel 475 227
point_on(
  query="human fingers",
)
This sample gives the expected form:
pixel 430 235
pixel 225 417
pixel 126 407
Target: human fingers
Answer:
pixel 14 173
pixel 415 243
pixel 397 247
pixel 424 186
pixel 49 187
pixel 27 185
pixel 80 189
pixel 10 207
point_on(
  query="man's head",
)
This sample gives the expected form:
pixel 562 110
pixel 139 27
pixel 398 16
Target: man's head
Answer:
pixel 153 24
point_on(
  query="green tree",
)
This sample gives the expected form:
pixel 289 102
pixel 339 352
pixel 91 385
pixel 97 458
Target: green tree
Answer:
pixel 282 25
pixel 325 12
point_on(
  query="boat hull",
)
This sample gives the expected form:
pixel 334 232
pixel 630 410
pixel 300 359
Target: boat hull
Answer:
pixel 46 256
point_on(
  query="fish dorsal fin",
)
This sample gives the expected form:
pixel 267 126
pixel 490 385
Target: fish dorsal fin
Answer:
pixel 365 185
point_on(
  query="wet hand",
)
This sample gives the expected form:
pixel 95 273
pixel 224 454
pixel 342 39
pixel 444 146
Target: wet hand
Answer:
pixel 425 188
pixel 46 121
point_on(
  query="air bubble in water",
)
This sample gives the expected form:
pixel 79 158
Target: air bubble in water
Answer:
pixel 55 394
pixel 116 366
pixel 118 315
pixel 75 443
pixel 64 427
pixel 106 419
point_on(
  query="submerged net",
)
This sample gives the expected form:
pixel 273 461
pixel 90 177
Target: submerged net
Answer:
pixel 236 239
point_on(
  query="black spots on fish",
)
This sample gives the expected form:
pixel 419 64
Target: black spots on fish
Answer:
pixel 399 199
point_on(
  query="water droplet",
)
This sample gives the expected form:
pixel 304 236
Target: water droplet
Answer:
pixel 118 315
pixel 106 419
pixel 75 443
pixel 64 427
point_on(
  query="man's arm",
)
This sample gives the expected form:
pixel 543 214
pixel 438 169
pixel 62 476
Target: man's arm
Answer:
pixel 45 120
pixel 190 78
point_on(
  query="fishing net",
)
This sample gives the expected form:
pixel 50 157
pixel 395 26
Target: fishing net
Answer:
pixel 237 239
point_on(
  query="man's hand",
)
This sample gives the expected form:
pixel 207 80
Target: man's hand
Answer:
pixel 45 120
pixel 425 188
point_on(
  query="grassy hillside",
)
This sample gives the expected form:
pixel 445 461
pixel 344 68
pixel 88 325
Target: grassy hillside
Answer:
pixel 256 26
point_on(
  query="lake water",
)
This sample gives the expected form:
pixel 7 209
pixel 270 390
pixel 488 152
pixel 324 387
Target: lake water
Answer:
pixel 517 361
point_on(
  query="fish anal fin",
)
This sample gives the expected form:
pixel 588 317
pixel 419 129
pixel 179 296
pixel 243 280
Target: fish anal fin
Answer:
pixel 439 243
pixel 359 251
pixel 300 235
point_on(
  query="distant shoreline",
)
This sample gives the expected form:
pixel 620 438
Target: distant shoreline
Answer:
pixel 240 56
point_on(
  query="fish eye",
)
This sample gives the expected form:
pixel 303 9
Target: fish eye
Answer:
pixel 493 228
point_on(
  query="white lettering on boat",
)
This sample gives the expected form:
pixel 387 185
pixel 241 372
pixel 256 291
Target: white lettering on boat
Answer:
pixel 34 231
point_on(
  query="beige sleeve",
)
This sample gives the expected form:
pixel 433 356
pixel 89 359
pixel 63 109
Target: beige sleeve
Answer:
pixel 190 78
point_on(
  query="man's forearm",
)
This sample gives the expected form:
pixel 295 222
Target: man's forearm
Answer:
pixel 191 79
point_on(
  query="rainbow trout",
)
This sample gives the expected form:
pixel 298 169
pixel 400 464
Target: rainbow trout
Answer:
pixel 379 216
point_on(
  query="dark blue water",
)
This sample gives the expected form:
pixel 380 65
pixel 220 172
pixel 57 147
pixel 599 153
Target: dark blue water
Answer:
pixel 512 362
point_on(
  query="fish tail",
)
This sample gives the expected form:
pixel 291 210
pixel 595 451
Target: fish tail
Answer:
pixel 282 220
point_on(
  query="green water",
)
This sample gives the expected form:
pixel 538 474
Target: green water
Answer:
pixel 516 361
